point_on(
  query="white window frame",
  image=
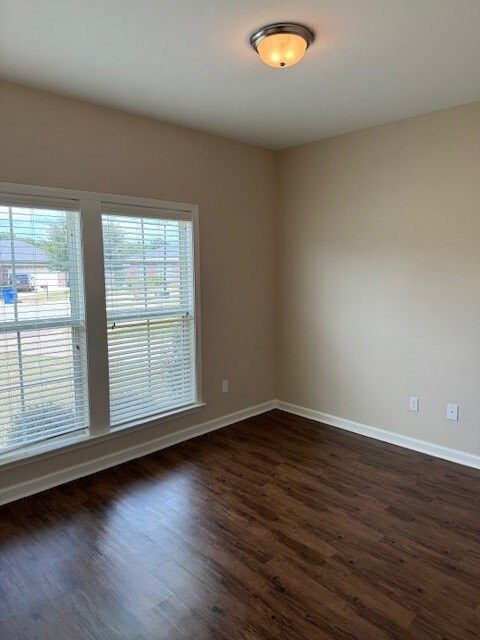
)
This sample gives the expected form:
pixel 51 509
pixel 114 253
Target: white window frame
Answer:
pixel 91 206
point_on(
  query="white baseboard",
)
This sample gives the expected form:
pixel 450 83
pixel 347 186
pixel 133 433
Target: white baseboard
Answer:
pixel 23 489
pixel 437 451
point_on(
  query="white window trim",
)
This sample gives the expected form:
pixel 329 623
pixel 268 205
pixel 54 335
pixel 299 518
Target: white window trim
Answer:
pixel 91 206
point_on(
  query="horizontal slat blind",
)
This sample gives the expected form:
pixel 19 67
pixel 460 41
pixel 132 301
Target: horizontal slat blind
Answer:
pixel 43 380
pixel 149 284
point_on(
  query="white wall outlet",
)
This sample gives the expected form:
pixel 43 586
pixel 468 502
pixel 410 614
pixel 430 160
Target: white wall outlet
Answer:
pixel 225 386
pixel 452 411
pixel 413 403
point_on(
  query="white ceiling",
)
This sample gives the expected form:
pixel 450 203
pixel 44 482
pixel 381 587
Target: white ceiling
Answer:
pixel 189 61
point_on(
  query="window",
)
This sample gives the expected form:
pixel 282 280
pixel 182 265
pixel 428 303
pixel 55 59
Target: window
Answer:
pixel 98 315
pixel 150 315
pixel 43 373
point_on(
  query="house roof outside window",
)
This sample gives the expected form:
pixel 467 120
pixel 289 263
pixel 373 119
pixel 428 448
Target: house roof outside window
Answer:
pixel 23 252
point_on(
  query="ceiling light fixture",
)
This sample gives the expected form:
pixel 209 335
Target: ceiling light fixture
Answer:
pixel 282 44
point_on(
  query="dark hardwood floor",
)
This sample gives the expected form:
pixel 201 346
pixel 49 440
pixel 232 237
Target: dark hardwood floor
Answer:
pixel 275 528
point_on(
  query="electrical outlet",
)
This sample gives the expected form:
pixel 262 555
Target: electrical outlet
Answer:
pixel 413 403
pixel 452 412
pixel 225 386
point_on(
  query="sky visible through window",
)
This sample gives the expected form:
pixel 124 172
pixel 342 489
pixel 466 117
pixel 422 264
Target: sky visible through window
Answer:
pixel 33 222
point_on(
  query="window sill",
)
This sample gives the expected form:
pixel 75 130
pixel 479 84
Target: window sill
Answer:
pixel 163 417
pixel 65 444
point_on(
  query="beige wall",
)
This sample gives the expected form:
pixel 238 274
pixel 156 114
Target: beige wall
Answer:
pixel 53 141
pixel 377 236
pixel 379 276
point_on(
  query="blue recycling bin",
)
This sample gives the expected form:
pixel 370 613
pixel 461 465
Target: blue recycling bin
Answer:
pixel 9 295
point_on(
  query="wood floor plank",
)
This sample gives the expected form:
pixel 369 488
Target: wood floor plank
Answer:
pixel 275 528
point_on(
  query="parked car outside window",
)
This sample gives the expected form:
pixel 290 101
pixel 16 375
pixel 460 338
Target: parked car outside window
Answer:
pixel 22 282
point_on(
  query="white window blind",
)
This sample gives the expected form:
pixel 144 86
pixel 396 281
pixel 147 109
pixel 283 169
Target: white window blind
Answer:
pixel 150 304
pixel 43 378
